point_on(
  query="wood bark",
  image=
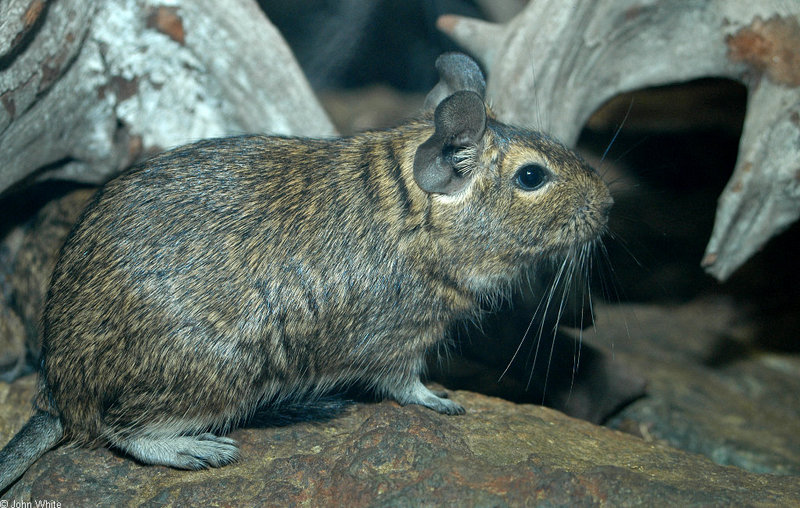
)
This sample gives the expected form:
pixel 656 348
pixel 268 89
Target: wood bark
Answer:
pixel 557 61
pixel 88 86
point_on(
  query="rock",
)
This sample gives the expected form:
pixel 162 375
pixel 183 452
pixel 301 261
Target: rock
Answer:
pixel 28 279
pixel 499 453
pixel 12 344
pixel 710 390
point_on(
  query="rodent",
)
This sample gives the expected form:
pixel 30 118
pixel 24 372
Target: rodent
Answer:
pixel 231 273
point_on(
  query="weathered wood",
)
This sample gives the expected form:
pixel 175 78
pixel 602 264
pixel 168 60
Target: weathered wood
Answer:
pixel 88 86
pixel 556 62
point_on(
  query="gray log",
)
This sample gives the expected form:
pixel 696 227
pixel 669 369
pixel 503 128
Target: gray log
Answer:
pixel 556 62
pixel 88 86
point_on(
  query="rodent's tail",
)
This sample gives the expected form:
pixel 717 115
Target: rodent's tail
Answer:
pixel 42 432
pixel 288 412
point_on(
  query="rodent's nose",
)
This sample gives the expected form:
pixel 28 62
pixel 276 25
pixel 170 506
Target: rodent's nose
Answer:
pixel 592 203
pixel 605 206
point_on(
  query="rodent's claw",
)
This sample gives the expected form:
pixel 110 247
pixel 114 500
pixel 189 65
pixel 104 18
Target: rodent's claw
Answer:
pixel 417 393
pixel 448 407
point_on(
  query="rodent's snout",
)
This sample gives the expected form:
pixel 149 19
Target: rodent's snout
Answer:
pixel 591 216
pixel 605 206
pixel 594 206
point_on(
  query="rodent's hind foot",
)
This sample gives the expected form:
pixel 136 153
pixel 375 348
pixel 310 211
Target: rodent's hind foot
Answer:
pixel 418 393
pixel 182 452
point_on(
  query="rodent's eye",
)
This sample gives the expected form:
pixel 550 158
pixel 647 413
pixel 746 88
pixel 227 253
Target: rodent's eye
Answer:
pixel 531 177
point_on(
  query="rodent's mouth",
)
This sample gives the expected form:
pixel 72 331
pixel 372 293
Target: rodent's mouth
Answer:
pixel 586 226
pixel 578 237
pixel 577 254
pixel 590 221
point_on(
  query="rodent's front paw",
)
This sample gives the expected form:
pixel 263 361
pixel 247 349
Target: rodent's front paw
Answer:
pixel 419 394
pixel 447 407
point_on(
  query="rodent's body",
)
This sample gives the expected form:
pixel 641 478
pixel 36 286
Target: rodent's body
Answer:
pixel 227 282
pixel 237 272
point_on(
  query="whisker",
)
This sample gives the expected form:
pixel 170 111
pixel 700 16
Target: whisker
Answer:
pixel 527 330
pixel 619 128
pixel 576 355
pixel 521 342
pixel 545 299
pixel 540 334
pixel 541 126
pixel 564 292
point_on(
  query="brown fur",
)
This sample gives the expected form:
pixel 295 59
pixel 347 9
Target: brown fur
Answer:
pixel 222 274
pixel 235 272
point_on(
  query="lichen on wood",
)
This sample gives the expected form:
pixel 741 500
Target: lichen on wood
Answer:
pixel 88 86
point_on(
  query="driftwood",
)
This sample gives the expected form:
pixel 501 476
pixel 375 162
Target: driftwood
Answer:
pixel 88 86
pixel 557 61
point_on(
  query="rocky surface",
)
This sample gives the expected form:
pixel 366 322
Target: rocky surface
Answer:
pixel 712 392
pixel 497 454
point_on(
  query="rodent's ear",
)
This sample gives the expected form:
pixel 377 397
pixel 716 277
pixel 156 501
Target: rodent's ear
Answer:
pixel 457 72
pixel 460 122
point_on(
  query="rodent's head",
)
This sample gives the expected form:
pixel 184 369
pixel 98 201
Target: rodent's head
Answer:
pixel 509 195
